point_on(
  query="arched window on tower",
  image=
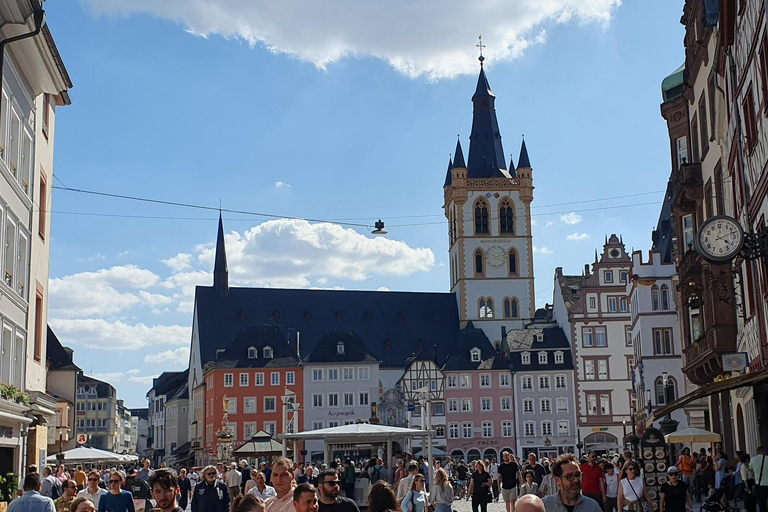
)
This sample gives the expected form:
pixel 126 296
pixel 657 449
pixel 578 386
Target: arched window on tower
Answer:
pixel 512 262
pixel 654 298
pixel 664 292
pixel 507 307
pixel 479 261
pixel 485 307
pixel 515 307
pixel 451 222
pixel 506 217
pixel 481 217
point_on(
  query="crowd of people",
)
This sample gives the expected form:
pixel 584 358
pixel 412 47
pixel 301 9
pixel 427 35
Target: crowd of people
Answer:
pixel 565 484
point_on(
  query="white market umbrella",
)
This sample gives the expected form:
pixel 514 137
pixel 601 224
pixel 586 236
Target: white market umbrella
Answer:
pixel 693 435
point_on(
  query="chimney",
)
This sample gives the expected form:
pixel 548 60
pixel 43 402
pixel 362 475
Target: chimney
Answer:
pixel 586 269
pixel 293 340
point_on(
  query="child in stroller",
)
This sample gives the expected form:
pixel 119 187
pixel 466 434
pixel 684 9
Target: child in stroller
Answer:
pixel 719 500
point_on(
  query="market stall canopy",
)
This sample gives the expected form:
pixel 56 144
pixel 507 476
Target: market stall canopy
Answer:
pixel 359 432
pixel 84 454
pixel 693 435
pixel 603 447
pixel 261 442
pixel 435 451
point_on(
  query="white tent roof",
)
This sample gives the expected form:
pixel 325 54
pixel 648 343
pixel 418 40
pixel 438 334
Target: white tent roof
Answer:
pixel 358 432
pixel 84 454
pixel 693 435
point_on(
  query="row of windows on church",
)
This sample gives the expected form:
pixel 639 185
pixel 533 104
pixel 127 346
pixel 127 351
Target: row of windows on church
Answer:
pixel 485 309
pixel 482 219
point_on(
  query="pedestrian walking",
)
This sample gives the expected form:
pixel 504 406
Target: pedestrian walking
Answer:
pixel 441 493
pixel 92 491
pixel 32 500
pixel 611 488
pixel 480 488
pixel 567 472
pixel 260 487
pixel 282 481
pixel 185 488
pixel 382 498
pixel 117 499
pixel 328 490
pixel 83 505
pixel 51 484
pixel 248 503
pixel 632 492
pixel 593 480
pixel 417 499
pixel 509 478
pixel 687 465
pixel 210 494
pixel 529 487
pixel 233 480
pixel 407 482
pixel 675 495
pixel 304 498
pixel 530 503
pixel 493 470
pixel 68 495
pixel 165 488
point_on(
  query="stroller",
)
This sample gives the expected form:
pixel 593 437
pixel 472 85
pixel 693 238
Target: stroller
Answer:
pixel 714 503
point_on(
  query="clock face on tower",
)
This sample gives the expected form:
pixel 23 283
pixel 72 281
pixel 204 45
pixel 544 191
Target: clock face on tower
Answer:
pixel 720 239
pixel 496 256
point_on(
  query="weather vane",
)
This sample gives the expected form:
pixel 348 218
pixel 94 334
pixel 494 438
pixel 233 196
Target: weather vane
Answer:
pixel 480 46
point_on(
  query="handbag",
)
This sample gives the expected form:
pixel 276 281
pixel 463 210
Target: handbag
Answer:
pixel 646 506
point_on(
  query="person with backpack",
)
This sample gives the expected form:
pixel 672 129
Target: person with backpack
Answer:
pixel 377 471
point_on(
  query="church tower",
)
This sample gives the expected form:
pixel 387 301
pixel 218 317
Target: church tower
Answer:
pixel 488 208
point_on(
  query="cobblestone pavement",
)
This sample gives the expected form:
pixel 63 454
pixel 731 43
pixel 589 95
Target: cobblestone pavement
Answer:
pixel 466 506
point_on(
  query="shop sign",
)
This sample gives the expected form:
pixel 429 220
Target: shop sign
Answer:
pixel 341 413
pixel 599 429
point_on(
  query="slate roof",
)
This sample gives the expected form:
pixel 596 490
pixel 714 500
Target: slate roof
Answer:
pixel 570 286
pixel 390 324
pixel 523 160
pixel 524 340
pixel 141 413
pixel 355 350
pixel 180 393
pixel 168 381
pixel 460 357
pixel 58 357
pixel 236 355
pixel 103 389
pixel 664 234
pixel 486 154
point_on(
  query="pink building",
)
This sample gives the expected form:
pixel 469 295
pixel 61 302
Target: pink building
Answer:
pixel 478 394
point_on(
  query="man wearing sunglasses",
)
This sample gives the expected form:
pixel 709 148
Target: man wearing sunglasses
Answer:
pixel 328 488
pixel 675 494
pixel 92 491
pixel 568 475
pixel 210 495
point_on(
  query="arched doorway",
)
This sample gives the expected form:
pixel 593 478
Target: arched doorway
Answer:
pixel 601 443
pixel 741 431
pixel 473 454
pixel 457 454
pixel 489 454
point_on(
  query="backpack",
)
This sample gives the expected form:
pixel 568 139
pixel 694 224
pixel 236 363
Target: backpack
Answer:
pixel 56 490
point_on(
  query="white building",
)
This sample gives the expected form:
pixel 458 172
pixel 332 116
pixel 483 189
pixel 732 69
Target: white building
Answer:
pixel 34 82
pixel 656 339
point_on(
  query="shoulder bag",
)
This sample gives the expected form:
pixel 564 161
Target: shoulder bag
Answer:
pixel 646 506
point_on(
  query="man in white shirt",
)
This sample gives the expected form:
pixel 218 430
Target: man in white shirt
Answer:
pixel 405 483
pixel 493 469
pixel 759 466
pixel 233 479
pixel 92 490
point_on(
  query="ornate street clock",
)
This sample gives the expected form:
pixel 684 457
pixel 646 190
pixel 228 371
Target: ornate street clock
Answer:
pixel 720 239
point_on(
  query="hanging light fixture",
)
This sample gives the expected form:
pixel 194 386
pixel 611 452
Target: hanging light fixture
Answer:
pixel 379 225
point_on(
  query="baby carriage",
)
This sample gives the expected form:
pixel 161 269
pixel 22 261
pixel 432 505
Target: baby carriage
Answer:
pixel 714 503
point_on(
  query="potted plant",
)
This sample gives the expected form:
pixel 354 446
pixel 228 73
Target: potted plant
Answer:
pixel 8 486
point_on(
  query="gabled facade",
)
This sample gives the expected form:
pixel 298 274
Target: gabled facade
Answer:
pixel 97 413
pixel 34 83
pixel 157 397
pixel 541 364
pixel 423 380
pixel 489 225
pixel 341 385
pixel 595 317
pixel 61 383
pixel 478 397
pixel 251 380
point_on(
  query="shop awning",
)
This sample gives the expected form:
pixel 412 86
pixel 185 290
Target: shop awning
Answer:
pixel 706 390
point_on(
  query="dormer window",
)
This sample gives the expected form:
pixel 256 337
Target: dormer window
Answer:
pixel 268 353
pixel 340 348
pixel 525 358
pixel 559 358
pixel 543 358
pixel 540 337
pixel 219 353
pixel 475 355
pixel 252 353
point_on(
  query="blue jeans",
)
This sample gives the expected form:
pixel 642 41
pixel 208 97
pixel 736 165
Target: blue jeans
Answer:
pixel 442 507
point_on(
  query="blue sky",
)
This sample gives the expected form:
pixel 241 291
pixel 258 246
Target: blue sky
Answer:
pixel 289 113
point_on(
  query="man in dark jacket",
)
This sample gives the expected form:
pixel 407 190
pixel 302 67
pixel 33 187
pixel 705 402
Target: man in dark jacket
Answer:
pixel 245 469
pixel 210 495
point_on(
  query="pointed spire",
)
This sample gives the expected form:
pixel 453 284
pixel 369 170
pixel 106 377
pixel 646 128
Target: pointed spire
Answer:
pixel 512 171
pixel 458 157
pixel 448 173
pixel 486 154
pixel 220 270
pixel 523 161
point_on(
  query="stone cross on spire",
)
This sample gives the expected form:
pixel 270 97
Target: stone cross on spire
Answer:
pixel 480 47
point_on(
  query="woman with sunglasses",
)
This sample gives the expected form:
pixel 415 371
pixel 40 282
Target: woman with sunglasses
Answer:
pixel 632 492
pixel 417 498
pixel 117 499
pixel 675 494
pixel 82 505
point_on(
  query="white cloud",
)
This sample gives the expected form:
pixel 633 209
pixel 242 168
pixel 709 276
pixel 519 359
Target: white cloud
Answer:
pixel 550 223
pixel 144 379
pixel 571 218
pixel 542 250
pixel 96 293
pixel 135 371
pixel 181 261
pixel 577 237
pixel 108 377
pixel 444 32
pixel 155 299
pixel 178 356
pixel 382 289
pixel 102 334
pixel 282 184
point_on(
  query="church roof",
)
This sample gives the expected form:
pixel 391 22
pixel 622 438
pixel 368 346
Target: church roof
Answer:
pixel 523 161
pixel 390 324
pixel 236 354
pixel 355 351
pixel 526 340
pixel 486 154
pixel 460 357
pixel 458 157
